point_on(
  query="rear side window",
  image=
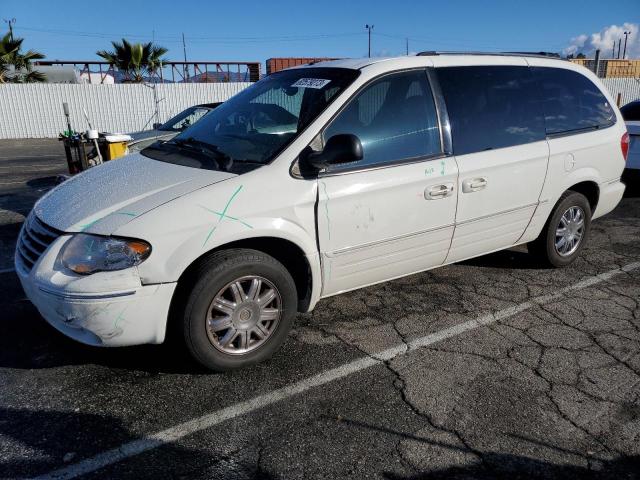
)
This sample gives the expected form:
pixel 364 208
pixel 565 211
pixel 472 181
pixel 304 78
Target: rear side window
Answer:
pixel 571 101
pixel 491 107
pixel 394 118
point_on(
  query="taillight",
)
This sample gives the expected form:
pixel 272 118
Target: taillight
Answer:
pixel 624 145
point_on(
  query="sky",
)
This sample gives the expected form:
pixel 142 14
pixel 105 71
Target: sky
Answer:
pixel 251 30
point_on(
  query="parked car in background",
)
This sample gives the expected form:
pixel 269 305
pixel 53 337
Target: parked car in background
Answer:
pixel 631 114
pixel 631 111
pixel 170 128
pixel 319 180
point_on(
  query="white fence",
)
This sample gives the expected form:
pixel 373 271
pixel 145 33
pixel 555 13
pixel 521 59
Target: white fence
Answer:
pixel 35 110
pixel 629 88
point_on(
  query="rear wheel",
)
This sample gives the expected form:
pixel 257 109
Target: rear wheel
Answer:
pixel 566 231
pixel 240 309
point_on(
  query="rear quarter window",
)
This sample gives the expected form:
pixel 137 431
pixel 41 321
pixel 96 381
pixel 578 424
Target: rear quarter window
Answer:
pixel 571 101
pixel 491 107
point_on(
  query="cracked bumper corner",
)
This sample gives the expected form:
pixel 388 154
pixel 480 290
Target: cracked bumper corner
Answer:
pixel 134 315
pixel 106 320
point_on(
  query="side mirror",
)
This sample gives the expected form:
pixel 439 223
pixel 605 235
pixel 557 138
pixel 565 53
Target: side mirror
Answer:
pixel 341 148
pixel 156 126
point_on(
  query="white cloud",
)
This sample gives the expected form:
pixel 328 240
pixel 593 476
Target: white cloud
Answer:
pixel 604 40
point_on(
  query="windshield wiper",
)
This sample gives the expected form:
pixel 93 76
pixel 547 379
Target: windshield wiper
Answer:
pixel 222 160
pixel 244 160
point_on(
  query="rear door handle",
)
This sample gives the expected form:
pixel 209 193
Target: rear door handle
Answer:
pixel 436 192
pixel 473 184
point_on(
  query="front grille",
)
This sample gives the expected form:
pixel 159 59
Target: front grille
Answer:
pixel 34 240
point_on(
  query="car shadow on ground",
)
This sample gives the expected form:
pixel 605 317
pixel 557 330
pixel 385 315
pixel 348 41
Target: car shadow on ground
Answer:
pixel 52 439
pixel 504 466
pixel 512 259
pixel 507 466
pixel 43 182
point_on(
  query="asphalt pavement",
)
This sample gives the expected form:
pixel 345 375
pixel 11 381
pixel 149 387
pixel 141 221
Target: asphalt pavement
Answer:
pixel 490 368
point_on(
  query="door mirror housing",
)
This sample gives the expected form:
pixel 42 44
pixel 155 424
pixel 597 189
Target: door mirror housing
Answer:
pixel 341 148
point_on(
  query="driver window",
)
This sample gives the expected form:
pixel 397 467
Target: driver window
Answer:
pixel 192 118
pixel 394 118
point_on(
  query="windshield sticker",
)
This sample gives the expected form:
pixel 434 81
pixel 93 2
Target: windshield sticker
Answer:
pixel 311 83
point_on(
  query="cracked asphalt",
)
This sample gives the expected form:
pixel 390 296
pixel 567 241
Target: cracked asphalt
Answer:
pixel 549 389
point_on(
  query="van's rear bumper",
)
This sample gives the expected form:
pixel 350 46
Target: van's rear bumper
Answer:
pixel 610 195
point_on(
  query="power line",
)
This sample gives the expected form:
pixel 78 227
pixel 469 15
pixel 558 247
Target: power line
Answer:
pixel 195 39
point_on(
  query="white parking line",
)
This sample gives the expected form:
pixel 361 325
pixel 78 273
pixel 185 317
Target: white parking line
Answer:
pixel 189 427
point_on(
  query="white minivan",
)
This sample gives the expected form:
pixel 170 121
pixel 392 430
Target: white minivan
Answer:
pixel 318 180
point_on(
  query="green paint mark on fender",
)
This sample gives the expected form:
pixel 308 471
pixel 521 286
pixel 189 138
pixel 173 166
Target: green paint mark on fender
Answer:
pixel 222 215
pixel 87 226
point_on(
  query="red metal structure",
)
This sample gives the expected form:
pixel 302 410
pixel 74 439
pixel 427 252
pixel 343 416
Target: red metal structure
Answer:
pixel 276 64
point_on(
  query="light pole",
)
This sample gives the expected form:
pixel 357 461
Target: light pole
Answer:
pixel 624 52
pixel 369 28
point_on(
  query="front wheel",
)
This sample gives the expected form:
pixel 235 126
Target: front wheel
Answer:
pixel 566 231
pixel 240 309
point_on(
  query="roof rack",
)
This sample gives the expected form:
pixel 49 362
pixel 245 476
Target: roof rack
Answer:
pixel 506 54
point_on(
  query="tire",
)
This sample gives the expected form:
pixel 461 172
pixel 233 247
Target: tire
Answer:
pixel 268 292
pixel 563 254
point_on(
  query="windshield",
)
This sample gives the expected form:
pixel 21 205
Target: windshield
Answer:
pixel 184 119
pixel 256 124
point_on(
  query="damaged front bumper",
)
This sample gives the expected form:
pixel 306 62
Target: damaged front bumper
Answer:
pixel 108 309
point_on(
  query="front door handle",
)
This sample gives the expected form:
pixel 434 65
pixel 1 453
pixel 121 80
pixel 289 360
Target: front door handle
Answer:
pixel 436 192
pixel 473 184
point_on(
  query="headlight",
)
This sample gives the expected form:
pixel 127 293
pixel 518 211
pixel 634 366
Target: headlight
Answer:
pixel 87 254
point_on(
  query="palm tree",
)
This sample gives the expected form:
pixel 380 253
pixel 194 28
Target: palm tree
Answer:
pixel 135 59
pixel 15 66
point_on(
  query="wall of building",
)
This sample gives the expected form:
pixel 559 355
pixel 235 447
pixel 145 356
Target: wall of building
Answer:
pixel 611 68
pixel 35 110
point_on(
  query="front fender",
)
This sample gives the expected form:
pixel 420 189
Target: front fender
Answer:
pixel 183 230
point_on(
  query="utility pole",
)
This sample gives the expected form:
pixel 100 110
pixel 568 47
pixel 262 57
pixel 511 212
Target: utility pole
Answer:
pixel 624 52
pixel 11 23
pixel 613 54
pixel 185 71
pixel 407 44
pixel 369 28
pixel 619 45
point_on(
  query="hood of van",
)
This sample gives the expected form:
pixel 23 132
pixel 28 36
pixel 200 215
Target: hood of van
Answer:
pixel 103 198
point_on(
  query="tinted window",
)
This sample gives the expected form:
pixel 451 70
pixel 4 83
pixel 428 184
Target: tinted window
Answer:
pixel 631 111
pixel 394 118
pixel 491 107
pixel 571 101
pixel 185 119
